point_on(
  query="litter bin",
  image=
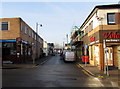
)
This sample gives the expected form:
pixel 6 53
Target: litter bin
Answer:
pixel 85 59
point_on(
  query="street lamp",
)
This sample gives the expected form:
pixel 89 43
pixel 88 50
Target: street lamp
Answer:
pixel 105 49
pixel 37 24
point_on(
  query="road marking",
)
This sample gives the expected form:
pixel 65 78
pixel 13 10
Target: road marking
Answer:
pixel 100 76
pixel 44 61
pixel 87 73
pixel 84 70
pixel 78 66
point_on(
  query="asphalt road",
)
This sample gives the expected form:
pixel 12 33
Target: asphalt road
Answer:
pixel 53 73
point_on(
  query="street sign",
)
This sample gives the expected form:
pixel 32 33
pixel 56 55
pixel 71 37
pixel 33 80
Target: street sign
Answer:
pixel 18 40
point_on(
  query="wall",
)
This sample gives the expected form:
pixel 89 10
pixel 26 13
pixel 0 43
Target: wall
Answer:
pixel 13 30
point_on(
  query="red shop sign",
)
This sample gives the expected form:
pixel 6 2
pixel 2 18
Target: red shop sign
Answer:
pixel 92 39
pixel 112 35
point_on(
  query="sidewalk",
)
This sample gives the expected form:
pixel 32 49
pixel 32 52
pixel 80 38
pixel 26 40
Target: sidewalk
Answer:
pixel 28 64
pixel 114 74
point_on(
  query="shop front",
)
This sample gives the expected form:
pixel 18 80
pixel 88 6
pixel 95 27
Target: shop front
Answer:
pixel 14 51
pixel 94 50
pixel 104 48
pixel 112 42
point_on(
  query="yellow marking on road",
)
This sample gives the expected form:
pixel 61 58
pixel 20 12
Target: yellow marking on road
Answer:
pixel 87 73
pixel 44 62
pixel 77 65
pixel 80 65
pixel 100 76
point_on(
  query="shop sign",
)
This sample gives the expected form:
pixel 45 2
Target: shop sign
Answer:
pixel 94 42
pixel 113 40
pixel 92 39
pixel 18 40
pixel 112 35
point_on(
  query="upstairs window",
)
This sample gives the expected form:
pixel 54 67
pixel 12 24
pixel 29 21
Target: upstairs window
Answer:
pixel 21 26
pixel 111 18
pixel 26 30
pixel 4 26
pixel 32 34
pixel 29 32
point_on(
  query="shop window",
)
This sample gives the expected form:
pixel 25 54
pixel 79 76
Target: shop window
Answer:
pixel 4 26
pixel 111 18
pixel 91 52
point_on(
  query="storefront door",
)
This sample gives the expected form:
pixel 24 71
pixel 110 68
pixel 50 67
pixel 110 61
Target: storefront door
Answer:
pixel 109 55
pixel 97 56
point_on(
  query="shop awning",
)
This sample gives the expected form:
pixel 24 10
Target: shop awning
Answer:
pixel 77 43
pixel 13 40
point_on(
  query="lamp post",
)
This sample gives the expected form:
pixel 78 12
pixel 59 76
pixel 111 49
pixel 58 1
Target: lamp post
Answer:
pixel 105 49
pixel 37 24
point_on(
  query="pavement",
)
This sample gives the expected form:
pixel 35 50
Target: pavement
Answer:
pixel 28 64
pixel 114 73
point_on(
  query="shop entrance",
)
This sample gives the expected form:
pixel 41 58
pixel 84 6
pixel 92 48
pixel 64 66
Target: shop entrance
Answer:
pixel 109 56
pixel 96 52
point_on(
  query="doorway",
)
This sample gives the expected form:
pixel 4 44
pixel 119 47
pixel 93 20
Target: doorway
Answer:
pixel 109 56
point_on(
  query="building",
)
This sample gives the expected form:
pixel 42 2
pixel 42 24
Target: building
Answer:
pixel 45 48
pixel 76 42
pixel 99 36
pixel 19 41
pixel 50 48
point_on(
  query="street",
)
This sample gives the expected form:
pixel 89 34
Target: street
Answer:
pixel 53 73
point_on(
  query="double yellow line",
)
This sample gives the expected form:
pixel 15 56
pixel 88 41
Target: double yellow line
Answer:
pixel 80 66
pixel 87 72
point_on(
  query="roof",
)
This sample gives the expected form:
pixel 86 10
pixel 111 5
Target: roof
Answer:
pixel 112 6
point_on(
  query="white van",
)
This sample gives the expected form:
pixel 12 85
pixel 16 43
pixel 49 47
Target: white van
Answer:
pixel 69 56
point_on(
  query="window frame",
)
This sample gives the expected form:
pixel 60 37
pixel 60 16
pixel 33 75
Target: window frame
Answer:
pixel 109 23
pixel 25 30
pixel 7 26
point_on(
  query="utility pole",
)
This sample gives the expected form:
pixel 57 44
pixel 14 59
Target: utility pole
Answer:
pixel 67 39
pixel 63 45
pixel 37 24
pixel 105 59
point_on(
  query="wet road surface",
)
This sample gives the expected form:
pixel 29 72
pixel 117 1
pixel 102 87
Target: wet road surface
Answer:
pixel 54 73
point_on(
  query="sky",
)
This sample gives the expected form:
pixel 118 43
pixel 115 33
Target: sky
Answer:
pixel 57 18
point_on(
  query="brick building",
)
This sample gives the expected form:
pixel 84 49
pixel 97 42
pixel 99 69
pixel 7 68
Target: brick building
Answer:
pixel 99 36
pixel 19 41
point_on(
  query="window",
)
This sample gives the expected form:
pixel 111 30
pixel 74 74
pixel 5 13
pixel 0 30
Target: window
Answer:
pixel 29 32
pixel 111 18
pixel 32 34
pixel 35 36
pixel 26 30
pixel 4 26
pixel 91 26
pixel 21 26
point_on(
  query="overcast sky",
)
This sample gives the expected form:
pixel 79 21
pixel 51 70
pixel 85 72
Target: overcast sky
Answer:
pixel 57 17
